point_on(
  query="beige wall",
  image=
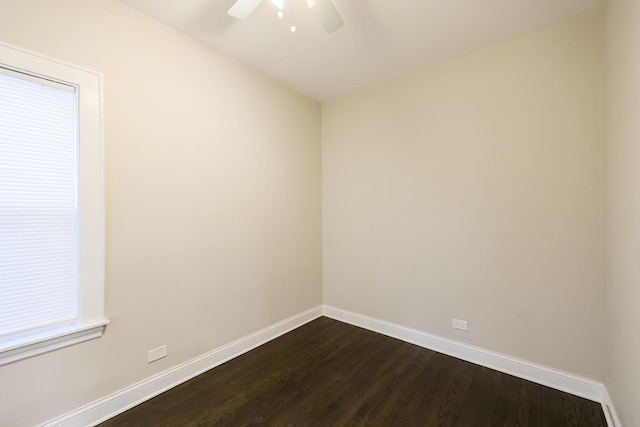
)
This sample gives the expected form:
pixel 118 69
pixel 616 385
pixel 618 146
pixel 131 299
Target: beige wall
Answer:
pixel 472 189
pixel 212 201
pixel 622 207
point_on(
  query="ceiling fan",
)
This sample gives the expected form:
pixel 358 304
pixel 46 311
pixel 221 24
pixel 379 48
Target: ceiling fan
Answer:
pixel 324 10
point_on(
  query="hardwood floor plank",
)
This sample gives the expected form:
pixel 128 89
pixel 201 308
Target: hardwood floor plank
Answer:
pixel 306 375
pixel 359 385
pixel 589 413
pixel 382 393
pixel 323 400
pixel 327 373
pixel 375 389
pixel 570 416
pixel 528 406
pixel 551 407
pixel 505 413
pixel 409 396
pixel 449 408
pixel 481 399
pixel 436 390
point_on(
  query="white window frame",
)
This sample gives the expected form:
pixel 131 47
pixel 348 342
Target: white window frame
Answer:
pixel 91 319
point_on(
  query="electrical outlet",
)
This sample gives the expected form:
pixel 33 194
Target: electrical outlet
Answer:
pixel 157 353
pixel 460 324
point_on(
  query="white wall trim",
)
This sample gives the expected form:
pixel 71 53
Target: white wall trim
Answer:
pixel 116 403
pixel 610 411
pixel 550 377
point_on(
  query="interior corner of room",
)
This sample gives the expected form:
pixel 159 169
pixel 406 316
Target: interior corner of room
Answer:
pixel 495 189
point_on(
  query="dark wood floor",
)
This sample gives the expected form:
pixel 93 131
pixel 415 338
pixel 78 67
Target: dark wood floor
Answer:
pixel 328 373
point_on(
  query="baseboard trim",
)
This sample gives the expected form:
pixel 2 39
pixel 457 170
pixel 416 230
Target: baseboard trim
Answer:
pixel 553 378
pixel 610 411
pixel 116 403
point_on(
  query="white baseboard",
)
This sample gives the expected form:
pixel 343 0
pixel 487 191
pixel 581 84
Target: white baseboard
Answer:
pixel 116 403
pixel 610 411
pixel 557 379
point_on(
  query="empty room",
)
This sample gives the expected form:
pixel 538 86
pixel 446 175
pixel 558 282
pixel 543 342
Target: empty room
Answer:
pixel 319 213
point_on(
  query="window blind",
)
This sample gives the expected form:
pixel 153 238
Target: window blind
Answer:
pixel 38 205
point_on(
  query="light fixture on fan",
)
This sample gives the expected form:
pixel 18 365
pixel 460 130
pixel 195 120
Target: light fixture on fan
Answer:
pixel 324 10
pixel 280 5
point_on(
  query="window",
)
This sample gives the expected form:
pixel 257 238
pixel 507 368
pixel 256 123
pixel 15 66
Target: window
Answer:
pixel 51 205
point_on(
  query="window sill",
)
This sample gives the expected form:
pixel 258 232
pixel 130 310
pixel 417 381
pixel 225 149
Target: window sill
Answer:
pixel 13 351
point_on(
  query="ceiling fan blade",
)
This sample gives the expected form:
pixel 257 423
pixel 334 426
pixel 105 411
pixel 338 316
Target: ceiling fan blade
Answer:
pixel 243 8
pixel 327 14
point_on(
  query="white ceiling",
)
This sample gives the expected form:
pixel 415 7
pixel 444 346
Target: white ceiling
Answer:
pixel 380 38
